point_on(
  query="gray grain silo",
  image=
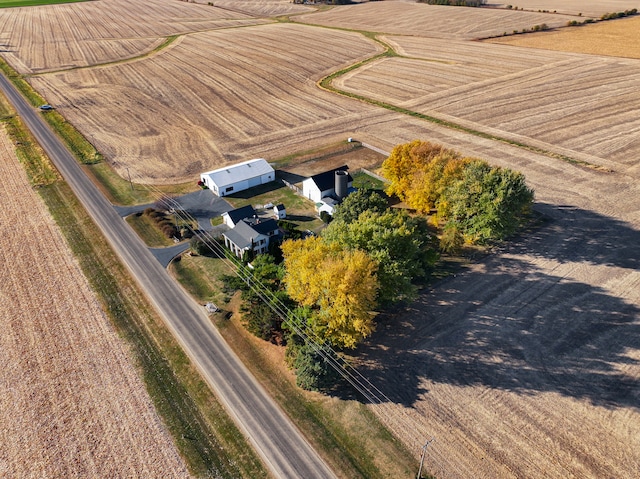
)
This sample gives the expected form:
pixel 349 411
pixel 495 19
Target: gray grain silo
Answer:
pixel 342 183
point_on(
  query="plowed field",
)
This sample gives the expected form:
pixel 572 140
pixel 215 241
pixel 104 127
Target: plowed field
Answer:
pixel 526 364
pixel 213 98
pixel 580 103
pixel 72 404
pixel 419 19
pixel 72 35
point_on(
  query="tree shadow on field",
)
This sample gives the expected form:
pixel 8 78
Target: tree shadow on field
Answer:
pixel 508 323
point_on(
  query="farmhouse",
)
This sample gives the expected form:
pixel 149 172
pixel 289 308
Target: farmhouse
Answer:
pixel 251 234
pixel 241 176
pixel 233 217
pixel 328 189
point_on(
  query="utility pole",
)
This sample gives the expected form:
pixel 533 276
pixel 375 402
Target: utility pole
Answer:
pixel 129 175
pixel 424 451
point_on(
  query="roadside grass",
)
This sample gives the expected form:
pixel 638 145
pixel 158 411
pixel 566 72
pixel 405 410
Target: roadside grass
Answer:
pixel 203 432
pixel 121 191
pixel 200 276
pixel 38 167
pixel 347 434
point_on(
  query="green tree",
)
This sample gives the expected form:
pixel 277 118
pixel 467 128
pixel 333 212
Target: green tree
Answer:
pixel 402 246
pixel 313 371
pixel 358 202
pixel 340 285
pixel 487 203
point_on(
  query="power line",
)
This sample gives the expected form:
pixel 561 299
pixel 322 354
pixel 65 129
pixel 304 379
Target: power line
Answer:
pixel 390 412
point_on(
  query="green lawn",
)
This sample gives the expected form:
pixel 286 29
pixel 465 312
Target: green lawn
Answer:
pixel 300 210
pixel 33 3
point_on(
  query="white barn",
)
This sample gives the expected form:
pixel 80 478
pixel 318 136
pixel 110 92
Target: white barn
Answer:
pixel 241 176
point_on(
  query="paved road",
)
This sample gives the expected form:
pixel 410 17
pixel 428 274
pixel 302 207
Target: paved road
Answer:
pixel 283 449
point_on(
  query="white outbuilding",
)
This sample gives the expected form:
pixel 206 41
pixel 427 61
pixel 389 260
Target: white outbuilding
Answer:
pixel 241 176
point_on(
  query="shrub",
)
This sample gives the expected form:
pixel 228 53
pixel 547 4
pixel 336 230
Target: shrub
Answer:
pixel 313 372
pixel 148 211
pixel 325 217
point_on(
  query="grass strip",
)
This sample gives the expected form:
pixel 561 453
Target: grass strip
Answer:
pixel 203 432
pixel 40 170
pixel 326 83
pixel 33 3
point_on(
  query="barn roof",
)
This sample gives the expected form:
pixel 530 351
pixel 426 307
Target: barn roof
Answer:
pixel 231 174
pixel 326 181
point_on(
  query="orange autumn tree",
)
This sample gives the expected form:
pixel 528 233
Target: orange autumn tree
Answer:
pixel 339 285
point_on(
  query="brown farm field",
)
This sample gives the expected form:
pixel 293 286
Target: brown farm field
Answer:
pixel 583 104
pixel 72 403
pixel 598 39
pixel 419 19
pixel 526 363
pixel 169 118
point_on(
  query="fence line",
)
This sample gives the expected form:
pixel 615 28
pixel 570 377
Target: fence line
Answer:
pixel 293 187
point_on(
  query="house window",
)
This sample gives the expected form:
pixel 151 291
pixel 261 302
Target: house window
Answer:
pixel 262 241
pixel 228 189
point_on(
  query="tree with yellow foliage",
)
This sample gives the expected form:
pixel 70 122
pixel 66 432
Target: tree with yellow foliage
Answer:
pixel 340 285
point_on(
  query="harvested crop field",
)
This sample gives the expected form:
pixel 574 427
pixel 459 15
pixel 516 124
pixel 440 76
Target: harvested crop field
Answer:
pixel 525 364
pixel 80 34
pixel 619 38
pixel 592 8
pixel 262 8
pixel 72 403
pixel 580 104
pixel 419 19
pixel 214 98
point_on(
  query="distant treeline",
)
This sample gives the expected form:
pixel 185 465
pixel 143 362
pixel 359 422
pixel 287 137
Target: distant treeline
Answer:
pixel 456 3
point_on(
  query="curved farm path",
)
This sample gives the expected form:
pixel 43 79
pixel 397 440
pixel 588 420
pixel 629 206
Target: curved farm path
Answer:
pixel 72 403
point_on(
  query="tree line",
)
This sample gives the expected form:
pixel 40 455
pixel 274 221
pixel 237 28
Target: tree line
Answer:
pixel 371 256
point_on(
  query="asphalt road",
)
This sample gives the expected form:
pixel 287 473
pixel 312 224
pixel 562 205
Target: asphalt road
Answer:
pixel 281 446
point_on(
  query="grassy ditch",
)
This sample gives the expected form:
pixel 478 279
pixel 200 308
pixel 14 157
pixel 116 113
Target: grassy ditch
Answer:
pixel 346 432
pixel 38 167
pixel 204 434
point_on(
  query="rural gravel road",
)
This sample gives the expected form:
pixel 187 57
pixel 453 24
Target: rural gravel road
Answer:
pixel 281 446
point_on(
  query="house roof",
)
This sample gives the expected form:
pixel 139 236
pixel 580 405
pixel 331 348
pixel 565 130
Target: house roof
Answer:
pixel 231 174
pixel 326 181
pixel 246 231
pixel 262 226
pixel 241 213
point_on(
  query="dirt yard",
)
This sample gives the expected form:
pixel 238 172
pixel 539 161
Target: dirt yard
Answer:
pixel 72 403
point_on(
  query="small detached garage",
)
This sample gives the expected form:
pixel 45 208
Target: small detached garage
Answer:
pixel 241 176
